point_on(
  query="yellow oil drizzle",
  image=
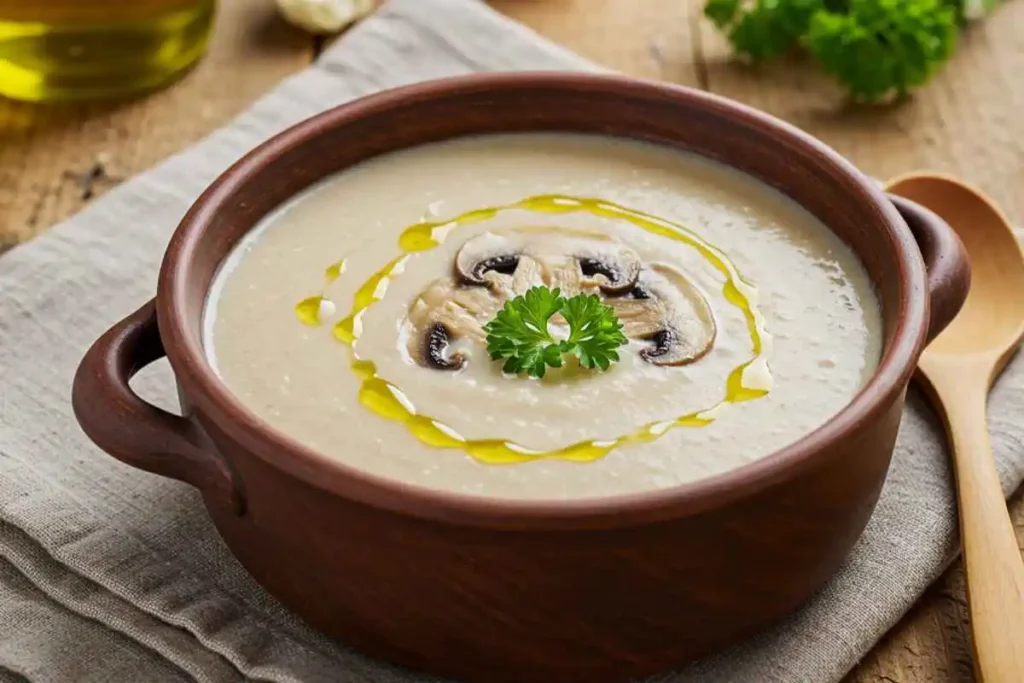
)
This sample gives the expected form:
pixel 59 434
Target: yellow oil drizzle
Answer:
pixel 334 271
pixel 388 401
pixel 347 330
pixel 308 310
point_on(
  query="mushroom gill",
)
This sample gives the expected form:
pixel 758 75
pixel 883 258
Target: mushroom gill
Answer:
pixel 579 259
pixel 435 346
pixel 665 309
pixel 613 266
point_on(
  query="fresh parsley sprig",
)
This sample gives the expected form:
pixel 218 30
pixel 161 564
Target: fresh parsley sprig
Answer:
pixel 879 47
pixel 874 48
pixel 519 332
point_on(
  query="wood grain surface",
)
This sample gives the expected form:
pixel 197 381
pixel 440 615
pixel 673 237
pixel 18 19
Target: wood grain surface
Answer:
pixel 54 160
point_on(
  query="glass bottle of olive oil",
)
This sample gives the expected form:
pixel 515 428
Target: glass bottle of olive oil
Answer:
pixel 82 49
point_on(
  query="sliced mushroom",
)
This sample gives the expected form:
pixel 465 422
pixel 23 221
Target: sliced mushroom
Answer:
pixel 529 273
pixel 443 314
pixel 614 266
pixel 436 349
pixel 611 266
pixel 667 310
pixel 656 304
pixel 639 292
pixel 489 252
pixel 563 273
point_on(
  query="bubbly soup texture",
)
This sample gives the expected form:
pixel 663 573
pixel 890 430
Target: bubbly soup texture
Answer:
pixel 353 318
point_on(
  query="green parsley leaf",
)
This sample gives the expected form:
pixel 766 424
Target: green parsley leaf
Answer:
pixel 594 331
pixel 874 48
pixel 763 29
pixel 879 47
pixel 519 332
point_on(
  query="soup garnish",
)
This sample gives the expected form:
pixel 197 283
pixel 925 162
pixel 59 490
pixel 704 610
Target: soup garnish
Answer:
pixel 520 335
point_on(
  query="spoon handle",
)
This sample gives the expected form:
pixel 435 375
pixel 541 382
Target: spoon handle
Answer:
pixel 992 559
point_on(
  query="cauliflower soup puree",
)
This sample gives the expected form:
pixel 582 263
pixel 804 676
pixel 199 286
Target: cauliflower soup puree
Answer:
pixel 358 317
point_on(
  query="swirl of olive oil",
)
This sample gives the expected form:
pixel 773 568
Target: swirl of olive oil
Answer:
pixel 308 310
pixel 388 401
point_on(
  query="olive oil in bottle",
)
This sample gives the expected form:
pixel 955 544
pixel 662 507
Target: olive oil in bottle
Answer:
pixel 53 50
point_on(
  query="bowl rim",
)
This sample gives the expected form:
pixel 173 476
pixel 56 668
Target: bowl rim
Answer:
pixel 210 396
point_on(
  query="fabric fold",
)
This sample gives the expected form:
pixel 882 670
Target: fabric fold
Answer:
pixel 111 574
pixel 41 640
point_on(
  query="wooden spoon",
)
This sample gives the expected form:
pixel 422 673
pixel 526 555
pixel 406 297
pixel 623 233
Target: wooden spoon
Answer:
pixel 957 370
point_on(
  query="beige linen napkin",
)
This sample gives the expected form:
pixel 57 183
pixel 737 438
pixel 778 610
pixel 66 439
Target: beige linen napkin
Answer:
pixel 111 574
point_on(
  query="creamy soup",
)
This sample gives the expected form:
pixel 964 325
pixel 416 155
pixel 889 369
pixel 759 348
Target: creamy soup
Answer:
pixel 355 318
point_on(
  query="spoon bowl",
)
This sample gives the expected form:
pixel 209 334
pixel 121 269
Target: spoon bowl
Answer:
pixel 992 319
pixel 957 370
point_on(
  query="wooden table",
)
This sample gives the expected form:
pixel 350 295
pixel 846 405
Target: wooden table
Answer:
pixel 54 160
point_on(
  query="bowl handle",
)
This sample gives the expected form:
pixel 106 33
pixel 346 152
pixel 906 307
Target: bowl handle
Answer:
pixel 949 271
pixel 138 433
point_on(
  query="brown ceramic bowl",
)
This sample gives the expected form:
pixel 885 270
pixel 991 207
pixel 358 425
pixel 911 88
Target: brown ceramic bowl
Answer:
pixel 490 590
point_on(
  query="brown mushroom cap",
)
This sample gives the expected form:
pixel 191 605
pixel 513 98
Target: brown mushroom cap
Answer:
pixel 667 310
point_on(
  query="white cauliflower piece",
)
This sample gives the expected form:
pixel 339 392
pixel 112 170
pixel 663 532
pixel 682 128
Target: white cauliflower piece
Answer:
pixel 324 16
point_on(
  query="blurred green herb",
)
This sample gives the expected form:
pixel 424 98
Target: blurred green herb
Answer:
pixel 874 48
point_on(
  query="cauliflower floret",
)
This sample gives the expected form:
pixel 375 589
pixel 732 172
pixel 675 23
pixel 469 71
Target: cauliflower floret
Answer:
pixel 324 16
